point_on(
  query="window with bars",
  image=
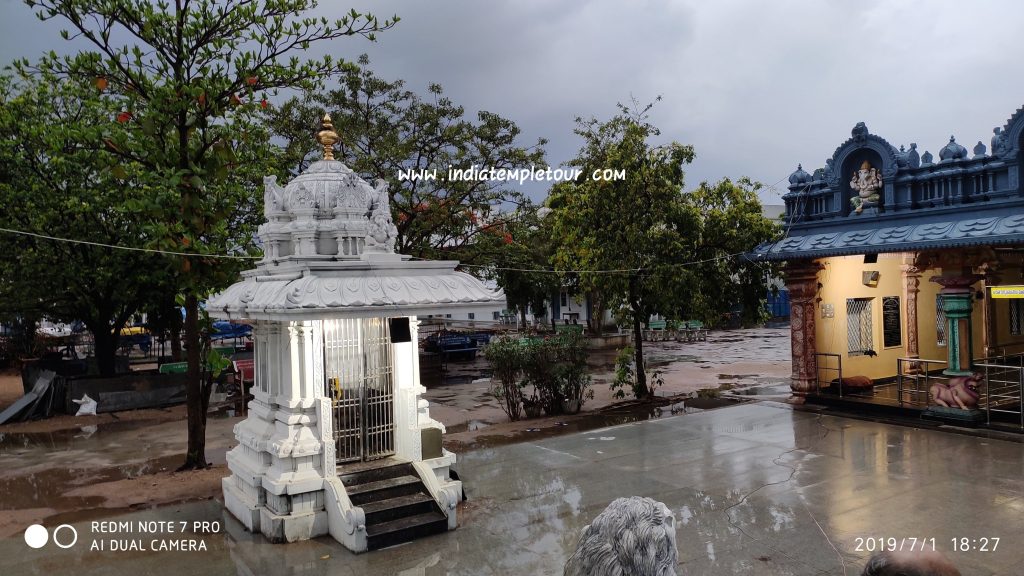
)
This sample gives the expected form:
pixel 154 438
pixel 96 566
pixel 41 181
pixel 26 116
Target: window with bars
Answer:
pixel 1015 320
pixel 858 326
pixel 940 321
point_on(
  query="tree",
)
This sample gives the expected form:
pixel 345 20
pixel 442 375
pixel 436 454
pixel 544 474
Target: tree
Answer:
pixel 191 78
pixel 636 226
pixel 387 130
pixel 59 182
pixel 731 224
pixel 522 267
pixel 635 240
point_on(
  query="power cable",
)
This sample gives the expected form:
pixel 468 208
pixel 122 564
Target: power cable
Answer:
pixel 130 248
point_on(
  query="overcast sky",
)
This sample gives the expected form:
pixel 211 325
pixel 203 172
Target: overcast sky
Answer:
pixel 755 87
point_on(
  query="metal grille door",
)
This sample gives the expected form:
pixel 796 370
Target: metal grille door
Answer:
pixel 360 382
pixel 940 321
pixel 858 325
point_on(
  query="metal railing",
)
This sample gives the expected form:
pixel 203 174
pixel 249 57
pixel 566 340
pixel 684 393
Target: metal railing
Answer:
pixel 1004 385
pixel 914 379
pixel 828 364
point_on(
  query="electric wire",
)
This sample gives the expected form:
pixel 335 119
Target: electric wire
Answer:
pixel 463 265
pixel 130 248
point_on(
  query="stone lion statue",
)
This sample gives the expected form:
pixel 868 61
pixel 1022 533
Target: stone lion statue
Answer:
pixel 961 392
pixel 634 536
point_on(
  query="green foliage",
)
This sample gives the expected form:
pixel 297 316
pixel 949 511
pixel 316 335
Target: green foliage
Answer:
pixel 190 81
pixel 57 181
pixel 552 370
pixel 731 222
pixel 528 249
pixel 626 377
pixel 572 366
pixel 624 373
pixel 386 128
pixel 216 363
pixel 639 224
pixel 540 366
pixel 676 253
pixel 506 358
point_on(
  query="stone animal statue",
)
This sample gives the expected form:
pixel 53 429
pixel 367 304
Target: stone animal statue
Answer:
pixel 382 229
pixel 273 196
pixel 961 391
pixel 634 536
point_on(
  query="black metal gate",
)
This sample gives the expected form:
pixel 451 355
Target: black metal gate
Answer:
pixel 360 382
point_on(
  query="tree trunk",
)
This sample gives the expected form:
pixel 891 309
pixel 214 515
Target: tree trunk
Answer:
pixel 105 348
pixel 196 392
pixel 643 392
pixel 522 316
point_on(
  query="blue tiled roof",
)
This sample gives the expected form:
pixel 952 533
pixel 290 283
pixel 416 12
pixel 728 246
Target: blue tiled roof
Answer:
pixel 925 236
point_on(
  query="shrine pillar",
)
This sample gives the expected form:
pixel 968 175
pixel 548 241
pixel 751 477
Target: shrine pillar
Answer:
pixel 802 283
pixel 911 287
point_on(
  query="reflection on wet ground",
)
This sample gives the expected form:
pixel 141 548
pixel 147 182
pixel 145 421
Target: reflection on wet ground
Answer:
pixel 721 368
pixel 623 413
pixel 756 488
pixel 60 440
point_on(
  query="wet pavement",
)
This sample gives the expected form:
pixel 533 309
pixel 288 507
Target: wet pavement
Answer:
pixel 756 488
pixel 740 363
pixel 74 473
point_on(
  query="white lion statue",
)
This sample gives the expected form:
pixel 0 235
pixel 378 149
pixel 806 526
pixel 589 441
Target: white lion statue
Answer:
pixel 634 536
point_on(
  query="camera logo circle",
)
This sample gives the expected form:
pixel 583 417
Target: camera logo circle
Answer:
pixel 36 536
pixel 72 540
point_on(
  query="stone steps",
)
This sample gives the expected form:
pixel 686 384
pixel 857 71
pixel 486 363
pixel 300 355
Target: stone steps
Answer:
pixel 397 505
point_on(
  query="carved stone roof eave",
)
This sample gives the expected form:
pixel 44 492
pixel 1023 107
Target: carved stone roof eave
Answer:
pixel 1013 129
pixel 880 145
pixel 329 252
pixel 286 297
pixel 1008 230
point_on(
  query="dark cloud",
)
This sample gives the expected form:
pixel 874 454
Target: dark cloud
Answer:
pixel 756 87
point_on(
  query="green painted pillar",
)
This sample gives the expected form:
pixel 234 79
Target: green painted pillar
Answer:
pixel 957 303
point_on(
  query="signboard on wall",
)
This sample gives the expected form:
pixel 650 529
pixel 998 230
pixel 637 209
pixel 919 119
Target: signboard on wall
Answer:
pixel 1007 291
pixel 891 326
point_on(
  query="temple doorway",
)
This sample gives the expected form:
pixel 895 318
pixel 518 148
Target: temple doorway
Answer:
pixel 359 376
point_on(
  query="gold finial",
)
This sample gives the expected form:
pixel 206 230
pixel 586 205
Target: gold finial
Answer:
pixel 327 137
pixel 865 165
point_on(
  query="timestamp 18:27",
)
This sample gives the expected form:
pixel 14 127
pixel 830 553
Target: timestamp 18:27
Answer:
pixel 911 544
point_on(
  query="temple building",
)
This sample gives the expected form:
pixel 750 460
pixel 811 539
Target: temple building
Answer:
pixel 338 439
pixel 903 271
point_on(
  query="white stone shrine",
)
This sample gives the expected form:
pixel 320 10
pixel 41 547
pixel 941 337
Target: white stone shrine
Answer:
pixel 337 385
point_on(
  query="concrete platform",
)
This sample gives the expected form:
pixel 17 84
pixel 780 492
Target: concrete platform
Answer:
pixel 756 489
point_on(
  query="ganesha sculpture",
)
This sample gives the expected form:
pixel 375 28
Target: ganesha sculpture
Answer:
pixel 868 184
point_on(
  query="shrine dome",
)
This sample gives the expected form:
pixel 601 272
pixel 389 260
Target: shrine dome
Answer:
pixel 799 177
pixel 329 251
pixel 952 151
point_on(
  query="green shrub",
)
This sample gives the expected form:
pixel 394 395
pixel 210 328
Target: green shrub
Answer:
pixel 506 357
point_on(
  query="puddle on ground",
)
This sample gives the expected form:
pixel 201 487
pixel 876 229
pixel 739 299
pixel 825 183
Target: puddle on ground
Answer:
pixel 768 390
pixel 49 488
pixel 471 426
pixel 635 412
pixel 65 439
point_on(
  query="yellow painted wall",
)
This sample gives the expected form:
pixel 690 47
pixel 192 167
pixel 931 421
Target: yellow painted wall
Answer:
pixel 842 279
pixel 1003 339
